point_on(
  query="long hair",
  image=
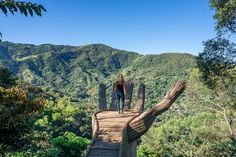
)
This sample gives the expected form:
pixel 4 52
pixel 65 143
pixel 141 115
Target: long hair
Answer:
pixel 121 78
pixel 120 81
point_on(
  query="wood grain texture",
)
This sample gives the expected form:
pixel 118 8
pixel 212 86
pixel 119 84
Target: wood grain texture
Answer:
pixel 113 133
pixel 102 97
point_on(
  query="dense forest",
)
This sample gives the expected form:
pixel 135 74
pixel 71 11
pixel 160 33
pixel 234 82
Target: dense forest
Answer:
pixel 51 93
pixel 48 93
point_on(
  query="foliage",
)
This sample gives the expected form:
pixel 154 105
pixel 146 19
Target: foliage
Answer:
pixel 199 135
pixel 217 65
pixel 22 7
pixel 216 61
pixel 225 14
pixel 67 145
pixel 58 120
pixel 70 145
pixel 79 70
pixel 72 86
pixel 59 117
pixel 25 8
pixel 6 78
pixel 63 116
pixel 15 110
pixel 64 124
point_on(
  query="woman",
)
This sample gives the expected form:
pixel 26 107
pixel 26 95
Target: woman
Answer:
pixel 120 92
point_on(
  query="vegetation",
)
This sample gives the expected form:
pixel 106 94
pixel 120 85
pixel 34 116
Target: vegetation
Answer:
pixel 225 14
pixel 47 110
pixel 6 78
pixel 216 61
pixel 22 7
pixel 32 125
pixel 25 8
pixel 16 107
pixel 71 98
pixel 196 135
pixel 210 130
pixel 79 70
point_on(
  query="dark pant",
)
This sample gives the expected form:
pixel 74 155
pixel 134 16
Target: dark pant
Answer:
pixel 120 95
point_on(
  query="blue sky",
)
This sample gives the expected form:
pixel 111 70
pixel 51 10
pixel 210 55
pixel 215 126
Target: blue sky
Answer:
pixel 144 26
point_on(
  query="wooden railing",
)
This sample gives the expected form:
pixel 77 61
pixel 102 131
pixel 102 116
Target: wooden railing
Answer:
pixel 95 127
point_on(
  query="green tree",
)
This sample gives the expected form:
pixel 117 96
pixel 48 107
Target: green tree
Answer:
pixel 17 105
pixel 6 78
pixel 15 109
pixel 225 14
pixel 198 135
pixel 216 61
pixel 69 145
pixel 217 65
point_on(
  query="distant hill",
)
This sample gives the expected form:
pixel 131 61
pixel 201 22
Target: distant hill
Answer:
pixel 77 71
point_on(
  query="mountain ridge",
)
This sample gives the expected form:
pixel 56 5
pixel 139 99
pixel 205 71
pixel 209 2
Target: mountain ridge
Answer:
pixel 94 44
pixel 77 71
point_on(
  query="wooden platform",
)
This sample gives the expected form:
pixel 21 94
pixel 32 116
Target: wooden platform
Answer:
pixel 108 137
pixel 114 134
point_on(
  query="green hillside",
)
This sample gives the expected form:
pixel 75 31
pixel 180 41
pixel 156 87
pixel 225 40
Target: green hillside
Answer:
pixel 70 76
pixel 77 71
pixel 65 70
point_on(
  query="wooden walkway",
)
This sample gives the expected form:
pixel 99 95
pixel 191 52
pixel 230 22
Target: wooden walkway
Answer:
pixel 109 132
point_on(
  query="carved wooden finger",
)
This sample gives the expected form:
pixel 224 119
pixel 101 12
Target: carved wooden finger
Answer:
pixel 139 106
pixel 102 97
pixel 140 125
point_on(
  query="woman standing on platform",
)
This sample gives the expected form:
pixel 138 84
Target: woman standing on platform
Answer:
pixel 120 92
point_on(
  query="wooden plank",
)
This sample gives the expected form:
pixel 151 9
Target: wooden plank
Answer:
pixel 105 145
pixel 103 153
pixel 111 124
pixel 109 133
pixel 118 120
pixel 108 136
pixel 102 116
pixel 111 129
pixel 124 118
